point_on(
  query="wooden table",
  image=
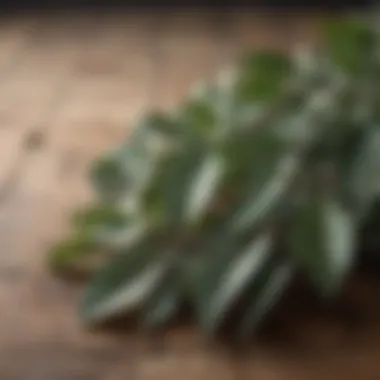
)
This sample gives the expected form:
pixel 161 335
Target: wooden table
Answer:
pixel 71 85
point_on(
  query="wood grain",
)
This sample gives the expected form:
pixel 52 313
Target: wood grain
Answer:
pixel 71 85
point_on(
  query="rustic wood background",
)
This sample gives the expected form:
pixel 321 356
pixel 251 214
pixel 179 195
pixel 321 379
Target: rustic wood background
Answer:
pixel 71 84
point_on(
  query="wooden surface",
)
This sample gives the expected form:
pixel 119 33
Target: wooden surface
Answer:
pixel 70 87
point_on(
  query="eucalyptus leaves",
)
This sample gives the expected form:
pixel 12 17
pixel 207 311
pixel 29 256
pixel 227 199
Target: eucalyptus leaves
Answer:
pixel 270 171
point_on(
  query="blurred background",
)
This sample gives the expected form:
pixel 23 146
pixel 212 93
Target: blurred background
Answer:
pixel 86 4
pixel 74 76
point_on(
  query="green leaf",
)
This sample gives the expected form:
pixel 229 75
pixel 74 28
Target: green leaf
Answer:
pixel 264 293
pixel 323 241
pixel 263 76
pixel 163 125
pixel 109 177
pixel 138 158
pixel 67 252
pixel 253 152
pixel 265 197
pixel 208 93
pixel 203 186
pixel 220 99
pixel 226 276
pixel 124 168
pixel 203 270
pixel 198 116
pixel 119 239
pixel 350 44
pixel 128 167
pixel 235 160
pixel 125 282
pixel 165 197
pixel 342 150
pixel 260 164
pixel 99 215
pixel 165 301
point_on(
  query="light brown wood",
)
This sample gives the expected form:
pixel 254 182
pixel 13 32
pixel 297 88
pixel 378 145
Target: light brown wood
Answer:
pixel 73 84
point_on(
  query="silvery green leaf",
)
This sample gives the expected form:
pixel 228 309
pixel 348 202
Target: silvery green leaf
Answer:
pixel 215 94
pixel 121 239
pixel 265 291
pixel 208 93
pixel 202 110
pixel 265 197
pixel 202 272
pixel 110 229
pixel 124 283
pixel 228 108
pixel 129 204
pixel 245 115
pixel 203 186
pixel 296 130
pixel 123 169
pixel 164 125
pixel 226 276
pixel 209 111
pixel 109 176
pixel 234 280
pixel 165 301
pixel 166 194
pixel 156 134
pixel 317 113
pixel 305 62
pixel 226 79
pixel 323 241
pixel 261 162
pixel 342 148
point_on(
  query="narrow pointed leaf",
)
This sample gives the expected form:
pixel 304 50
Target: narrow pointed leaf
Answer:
pixel 216 95
pixel 202 273
pixel 124 283
pixel 122 169
pixel 323 243
pixel 226 277
pixel 266 290
pixel 163 125
pixel 266 197
pixel 166 195
pixel 203 187
pixel 165 301
pixel 120 239
pixel 235 278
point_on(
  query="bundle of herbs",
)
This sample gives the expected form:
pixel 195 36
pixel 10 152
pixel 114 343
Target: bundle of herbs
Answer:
pixel 271 171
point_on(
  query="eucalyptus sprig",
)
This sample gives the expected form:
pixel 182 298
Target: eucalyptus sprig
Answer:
pixel 270 171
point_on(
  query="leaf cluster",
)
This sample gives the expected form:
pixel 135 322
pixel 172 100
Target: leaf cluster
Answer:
pixel 271 170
